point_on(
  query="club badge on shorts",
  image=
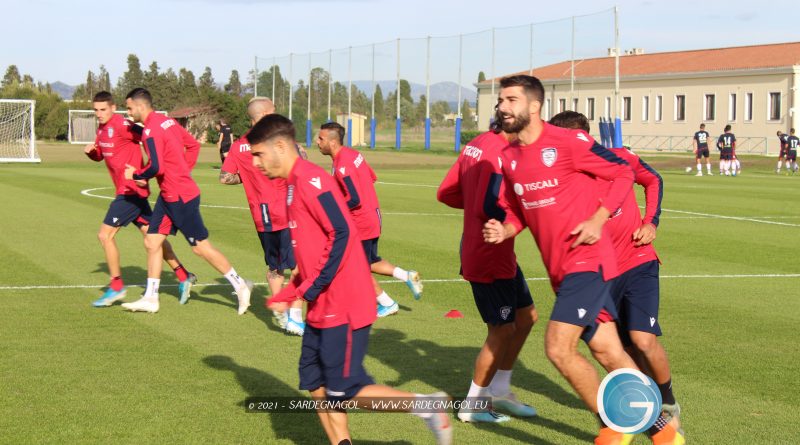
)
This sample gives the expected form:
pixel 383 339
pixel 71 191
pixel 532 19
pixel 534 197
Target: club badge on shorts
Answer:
pixel 549 156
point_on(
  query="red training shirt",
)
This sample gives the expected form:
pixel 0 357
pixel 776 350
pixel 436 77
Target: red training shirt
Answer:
pixel 356 180
pixel 117 142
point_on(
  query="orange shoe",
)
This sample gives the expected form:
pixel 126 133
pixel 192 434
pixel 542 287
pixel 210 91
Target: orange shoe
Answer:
pixel 668 436
pixel 608 436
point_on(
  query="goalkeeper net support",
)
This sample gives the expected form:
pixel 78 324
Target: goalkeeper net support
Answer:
pixel 17 134
pixel 83 125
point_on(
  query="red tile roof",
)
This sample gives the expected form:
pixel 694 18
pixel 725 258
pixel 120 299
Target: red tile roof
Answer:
pixel 695 61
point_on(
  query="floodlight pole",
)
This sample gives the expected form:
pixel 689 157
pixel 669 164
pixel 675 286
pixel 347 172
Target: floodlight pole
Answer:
pixel 457 145
pixel 274 69
pixel 255 77
pixel 330 82
pixel 349 96
pixel 572 67
pixel 530 58
pixel 428 96
pixel 491 117
pixel 397 124
pixel 290 85
pixel 308 112
pixel 372 122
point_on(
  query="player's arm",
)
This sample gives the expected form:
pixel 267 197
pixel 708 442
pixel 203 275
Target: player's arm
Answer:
pixel 301 151
pixel 653 184
pixel 719 143
pixel 449 192
pixel 229 172
pixel 134 131
pixel 329 216
pixel 93 153
pixel 694 143
pixel 494 231
pixel 228 178
pixel 154 145
pixel 191 146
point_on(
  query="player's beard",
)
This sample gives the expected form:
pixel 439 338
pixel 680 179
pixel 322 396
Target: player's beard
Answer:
pixel 520 122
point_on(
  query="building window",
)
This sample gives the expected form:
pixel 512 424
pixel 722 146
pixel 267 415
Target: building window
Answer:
pixel 774 106
pixel 659 113
pixel 626 108
pixel 574 104
pixel 680 107
pixel 590 108
pixel 732 107
pixel 748 106
pixel 608 108
pixel 562 105
pixel 646 108
pixel 709 107
pixel 546 113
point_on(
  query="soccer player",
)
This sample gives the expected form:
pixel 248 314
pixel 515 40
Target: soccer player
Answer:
pixel 782 137
pixel 636 290
pixel 356 181
pixel 700 142
pixel 551 189
pixel 475 183
pixel 117 143
pixel 267 201
pixel 225 139
pixel 726 143
pixel 792 142
pixel 172 153
pixel 333 277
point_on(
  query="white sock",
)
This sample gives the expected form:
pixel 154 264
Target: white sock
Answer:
pixel 501 383
pixel 477 391
pixel 296 314
pixel 779 166
pixel 422 415
pixel 234 278
pixel 400 274
pixel 708 166
pixel 151 293
pixel 384 299
pixel 699 168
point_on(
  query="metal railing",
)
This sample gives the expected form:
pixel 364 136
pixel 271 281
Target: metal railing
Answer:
pixel 744 144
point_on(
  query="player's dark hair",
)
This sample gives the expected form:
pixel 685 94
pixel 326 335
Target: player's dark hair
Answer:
pixel 140 94
pixel 270 127
pixel 728 128
pixel 702 126
pixel 791 130
pixel 334 126
pixel 532 86
pixel 103 96
pixel 570 119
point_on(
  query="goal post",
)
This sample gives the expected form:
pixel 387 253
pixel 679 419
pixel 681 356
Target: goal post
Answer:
pixel 82 125
pixel 17 132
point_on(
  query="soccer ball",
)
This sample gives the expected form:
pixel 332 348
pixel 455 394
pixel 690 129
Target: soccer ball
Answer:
pixel 688 169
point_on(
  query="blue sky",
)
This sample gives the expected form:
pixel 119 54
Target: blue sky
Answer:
pixel 70 37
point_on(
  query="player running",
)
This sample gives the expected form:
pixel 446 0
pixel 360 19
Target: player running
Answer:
pixel 636 290
pixel 267 201
pixel 700 143
pixel 726 143
pixel 173 153
pixel 356 181
pixel 551 189
pixel 334 278
pixel 475 184
pixel 782 139
pixel 792 143
pixel 117 142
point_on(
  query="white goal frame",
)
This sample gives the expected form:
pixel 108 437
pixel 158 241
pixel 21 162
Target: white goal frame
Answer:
pixel 32 155
pixel 69 124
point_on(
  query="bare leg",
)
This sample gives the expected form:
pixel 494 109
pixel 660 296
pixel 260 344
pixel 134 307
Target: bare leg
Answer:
pixel 214 257
pixel 607 348
pixel 106 236
pixel 333 422
pixel 494 349
pixel 561 347
pixel 524 319
pixel 274 280
pixel 153 244
pixel 167 252
pixel 382 267
pixel 654 355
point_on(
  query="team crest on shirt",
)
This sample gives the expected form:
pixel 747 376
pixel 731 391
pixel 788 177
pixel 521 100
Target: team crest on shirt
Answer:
pixel 289 195
pixel 513 165
pixel 549 156
pixel 505 311
pixel 111 132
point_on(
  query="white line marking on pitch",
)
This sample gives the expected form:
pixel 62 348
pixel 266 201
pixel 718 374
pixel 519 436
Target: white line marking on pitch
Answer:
pixel 437 280
pixel 408 185
pixel 736 218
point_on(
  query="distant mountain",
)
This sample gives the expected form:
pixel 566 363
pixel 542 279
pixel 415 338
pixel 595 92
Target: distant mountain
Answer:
pixel 446 91
pixel 63 90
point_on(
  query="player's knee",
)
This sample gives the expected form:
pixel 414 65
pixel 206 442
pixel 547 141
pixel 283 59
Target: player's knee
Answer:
pixel 526 318
pixel 152 244
pixel 103 237
pixel 502 332
pixel 644 342
pixel 557 352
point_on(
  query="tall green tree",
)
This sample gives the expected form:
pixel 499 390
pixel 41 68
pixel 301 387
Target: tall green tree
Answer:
pixel 234 85
pixel 132 78
pixel 379 103
pixel 12 76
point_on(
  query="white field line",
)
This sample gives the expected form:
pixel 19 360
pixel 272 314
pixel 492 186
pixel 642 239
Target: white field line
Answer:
pixel 408 185
pixel 437 280
pixel 760 220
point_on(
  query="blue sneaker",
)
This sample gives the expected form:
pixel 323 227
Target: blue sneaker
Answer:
pixel 510 404
pixel 414 283
pixel 185 287
pixel 109 297
pixel 295 328
pixel 482 417
pixel 384 311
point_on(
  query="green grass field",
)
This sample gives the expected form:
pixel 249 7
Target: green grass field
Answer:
pixel 70 373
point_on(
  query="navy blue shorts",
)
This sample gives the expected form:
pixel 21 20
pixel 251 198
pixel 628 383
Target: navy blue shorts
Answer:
pixel 791 155
pixel 499 300
pixel 278 252
pixel 702 153
pixel 126 209
pixel 636 296
pixel 371 250
pixel 334 358
pixel 579 300
pixel 169 217
pixel 726 154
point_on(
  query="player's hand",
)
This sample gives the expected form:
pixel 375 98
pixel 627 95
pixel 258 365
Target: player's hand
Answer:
pixel 589 231
pixel 140 182
pixel 277 307
pixel 89 148
pixel 494 232
pixel 129 170
pixel 645 234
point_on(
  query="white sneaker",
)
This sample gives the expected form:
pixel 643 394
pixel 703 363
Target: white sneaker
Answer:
pixel 414 283
pixel 243 295
pixel 295 328
pixel 710 174
pixel 699 174
pixel 490 416
pixel 510 404
pixel 143 305
pixel 439 423
pixel 281 318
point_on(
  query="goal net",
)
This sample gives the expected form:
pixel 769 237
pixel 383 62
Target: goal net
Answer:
pixel 17 140
pixel 83 125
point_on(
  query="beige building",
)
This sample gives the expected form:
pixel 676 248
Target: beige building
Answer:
pixel 664 97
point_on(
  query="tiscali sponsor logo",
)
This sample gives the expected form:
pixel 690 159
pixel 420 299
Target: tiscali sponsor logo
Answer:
pixel 167 123
pixel 540 185
pixel 358 160
pixel 473 152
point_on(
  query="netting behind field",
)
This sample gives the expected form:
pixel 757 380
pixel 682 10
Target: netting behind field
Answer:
pixel 437 79
pixel 16 131
pixel 83 125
